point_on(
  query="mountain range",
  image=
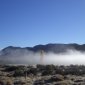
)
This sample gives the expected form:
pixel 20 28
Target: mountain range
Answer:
pixel 55 48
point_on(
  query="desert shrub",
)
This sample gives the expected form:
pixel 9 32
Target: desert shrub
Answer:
pixel 48 70
pixel 59 71
pixel 57 78
pixel 11 68
pixel 63 83
pixel 39 82
pixel 20 71
pixel 2 82
pixel 40 67
pixel 9 82
pixel 19 82
pixel 52 67
pixel 33 71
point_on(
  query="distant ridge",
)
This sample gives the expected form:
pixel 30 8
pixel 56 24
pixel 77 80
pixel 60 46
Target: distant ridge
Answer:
pixel 55 48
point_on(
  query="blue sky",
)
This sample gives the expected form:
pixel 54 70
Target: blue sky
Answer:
pixel 31 22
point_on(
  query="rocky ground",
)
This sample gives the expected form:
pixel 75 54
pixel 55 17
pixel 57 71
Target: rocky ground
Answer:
pixel 42 75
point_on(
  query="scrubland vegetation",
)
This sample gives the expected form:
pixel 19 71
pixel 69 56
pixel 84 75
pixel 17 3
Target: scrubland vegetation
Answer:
pixel 42 75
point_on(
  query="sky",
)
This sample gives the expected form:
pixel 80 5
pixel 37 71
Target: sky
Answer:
pixel 27 23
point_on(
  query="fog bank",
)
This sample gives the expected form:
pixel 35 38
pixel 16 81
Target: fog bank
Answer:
pixel 67 58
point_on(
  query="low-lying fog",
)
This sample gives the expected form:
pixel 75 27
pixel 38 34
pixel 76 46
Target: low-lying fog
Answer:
pixel 70 57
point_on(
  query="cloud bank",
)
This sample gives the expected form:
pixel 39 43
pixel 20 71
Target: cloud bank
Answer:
pixel 25 57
